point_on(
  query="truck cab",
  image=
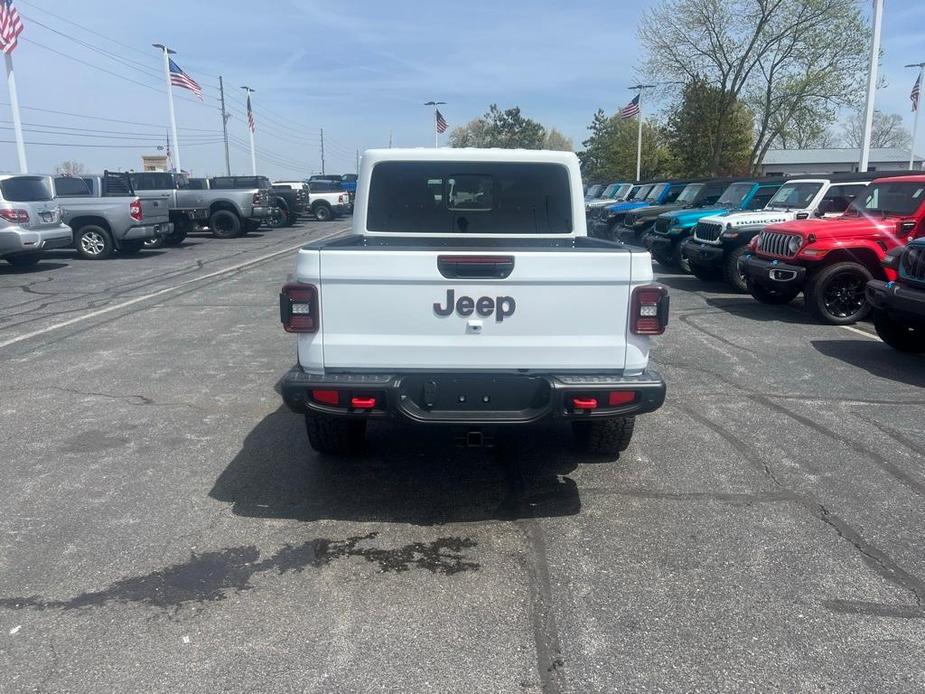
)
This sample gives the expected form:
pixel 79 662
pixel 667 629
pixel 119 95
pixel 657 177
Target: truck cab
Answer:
pixel 832 260
pixel 461 298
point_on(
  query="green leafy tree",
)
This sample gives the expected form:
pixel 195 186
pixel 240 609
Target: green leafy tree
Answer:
pixel 690 132
pixel 782 58
pixel 610 151
pixel 507 129
pixel 556 140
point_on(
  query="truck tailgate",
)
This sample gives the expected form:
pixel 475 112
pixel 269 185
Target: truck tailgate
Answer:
pixel 155 209
pixel 557 309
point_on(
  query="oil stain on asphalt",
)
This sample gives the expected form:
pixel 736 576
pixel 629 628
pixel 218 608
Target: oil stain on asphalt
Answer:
pixel 211 576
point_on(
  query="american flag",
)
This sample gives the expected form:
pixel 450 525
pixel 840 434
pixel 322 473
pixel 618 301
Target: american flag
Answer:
pixel 915 93
pixel 631 110
pixel 441 122
pixel 10 26
pixel 178 78
pixel 250 116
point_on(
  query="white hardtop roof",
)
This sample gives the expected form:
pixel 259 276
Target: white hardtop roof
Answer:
pixel 471 154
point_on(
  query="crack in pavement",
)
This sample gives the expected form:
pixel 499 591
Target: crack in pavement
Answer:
pixel 131 399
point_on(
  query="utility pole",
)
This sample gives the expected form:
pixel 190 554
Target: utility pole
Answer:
pixel 252 128
pixel 173 116
pixel 639 88
pixel 435 104
pixel 225 117
pixel 322 151
pixel 357 169
pixel 916 95
pixel 871 85
pixel 390 139
pixel 14 107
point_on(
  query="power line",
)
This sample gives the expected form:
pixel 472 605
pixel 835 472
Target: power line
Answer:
pixel 102 118
pixel 113 146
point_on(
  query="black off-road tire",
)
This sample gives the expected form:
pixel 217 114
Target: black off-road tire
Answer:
pixel 903 338
pixel 178 235
pixel 335 435
pixel 773 297
pixel 323 212
pixel 679 259
pixel 827 282
pixel 731 274
pixel 253 225
pixel 706 273
pixel 604 436
pixel 277 220
pixel 93 242
pixel 24 259
pixel 225 224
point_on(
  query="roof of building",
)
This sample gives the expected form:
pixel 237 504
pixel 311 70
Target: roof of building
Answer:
pixel 835 155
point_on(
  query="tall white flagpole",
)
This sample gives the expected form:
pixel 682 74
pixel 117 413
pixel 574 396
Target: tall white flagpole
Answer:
pixel 915 121
pixel 14 107
pixel 248 91
pixel 871 85
pixel 173 116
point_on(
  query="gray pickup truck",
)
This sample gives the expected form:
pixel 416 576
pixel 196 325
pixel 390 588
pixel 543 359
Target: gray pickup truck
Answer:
pixel 30 219
pixel 230 206
pixel 107 216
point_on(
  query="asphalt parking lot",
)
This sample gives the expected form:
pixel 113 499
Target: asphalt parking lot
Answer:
pixel 165 527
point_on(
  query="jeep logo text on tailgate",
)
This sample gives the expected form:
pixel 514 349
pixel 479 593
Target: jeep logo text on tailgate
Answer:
pixel 502 306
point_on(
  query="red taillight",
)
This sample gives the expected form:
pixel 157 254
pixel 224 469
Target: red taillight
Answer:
pixel 298 308
pixel 580 403
pixel 621 397
pixel 326 397
pixel 15 216
pixel 134 210
pixel 649 310
pixel 363 403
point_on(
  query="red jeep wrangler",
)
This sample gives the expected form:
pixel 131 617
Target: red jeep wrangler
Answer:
pixel 831 260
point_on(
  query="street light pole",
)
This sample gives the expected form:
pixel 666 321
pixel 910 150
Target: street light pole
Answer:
pixel 871 85
pixel 14 108
pixel 173 116
pixel 915 107
pixel 225 117
pixel 435 104
pixel 640 88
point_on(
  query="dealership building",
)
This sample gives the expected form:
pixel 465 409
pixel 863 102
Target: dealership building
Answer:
pixel 786 162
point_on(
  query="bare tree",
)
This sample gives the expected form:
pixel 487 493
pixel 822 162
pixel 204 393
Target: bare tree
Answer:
pixel 887 130
pixel 777 56
pixel 556 140
pixel 70 168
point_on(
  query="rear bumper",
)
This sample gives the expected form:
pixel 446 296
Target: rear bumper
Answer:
pixel 20 240
pixel 700 253
pixel 481 399
pixel 772 273
pixel 902 303
pixel 260 212
pixel 147 231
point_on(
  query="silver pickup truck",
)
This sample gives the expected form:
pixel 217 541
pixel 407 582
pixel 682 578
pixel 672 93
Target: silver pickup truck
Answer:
pixel 30 219
pixel 107 216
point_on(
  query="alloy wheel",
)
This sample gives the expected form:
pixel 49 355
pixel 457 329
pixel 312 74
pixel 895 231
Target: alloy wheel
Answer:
pixel 92 243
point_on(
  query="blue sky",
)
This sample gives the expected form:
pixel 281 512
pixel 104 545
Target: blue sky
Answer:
pixel 359 69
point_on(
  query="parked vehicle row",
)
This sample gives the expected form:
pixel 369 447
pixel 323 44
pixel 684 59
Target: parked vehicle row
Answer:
pixel 847 242
pixel 102 214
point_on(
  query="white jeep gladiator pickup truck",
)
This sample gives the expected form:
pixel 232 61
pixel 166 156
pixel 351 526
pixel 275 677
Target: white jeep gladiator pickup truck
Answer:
pixel 470 294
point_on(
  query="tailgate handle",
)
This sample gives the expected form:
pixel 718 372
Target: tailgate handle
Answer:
pixel 496 267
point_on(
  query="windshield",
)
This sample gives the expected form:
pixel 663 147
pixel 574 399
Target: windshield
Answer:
pixel 690 193
pixel 26 189
pixel 594 191
pixel 610 190
pixel 444 197
pixel 734 195
pixel 639 193
pixel 656 192
pixel 899 199
pixel 795 196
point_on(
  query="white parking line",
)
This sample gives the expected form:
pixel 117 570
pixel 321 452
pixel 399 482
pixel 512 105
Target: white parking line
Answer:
pixel 861 332
pixel 166 290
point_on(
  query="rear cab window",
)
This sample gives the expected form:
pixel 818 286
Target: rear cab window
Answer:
pixel 469 197
pixel 71 187
pixel 26 189
pixel 152 181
